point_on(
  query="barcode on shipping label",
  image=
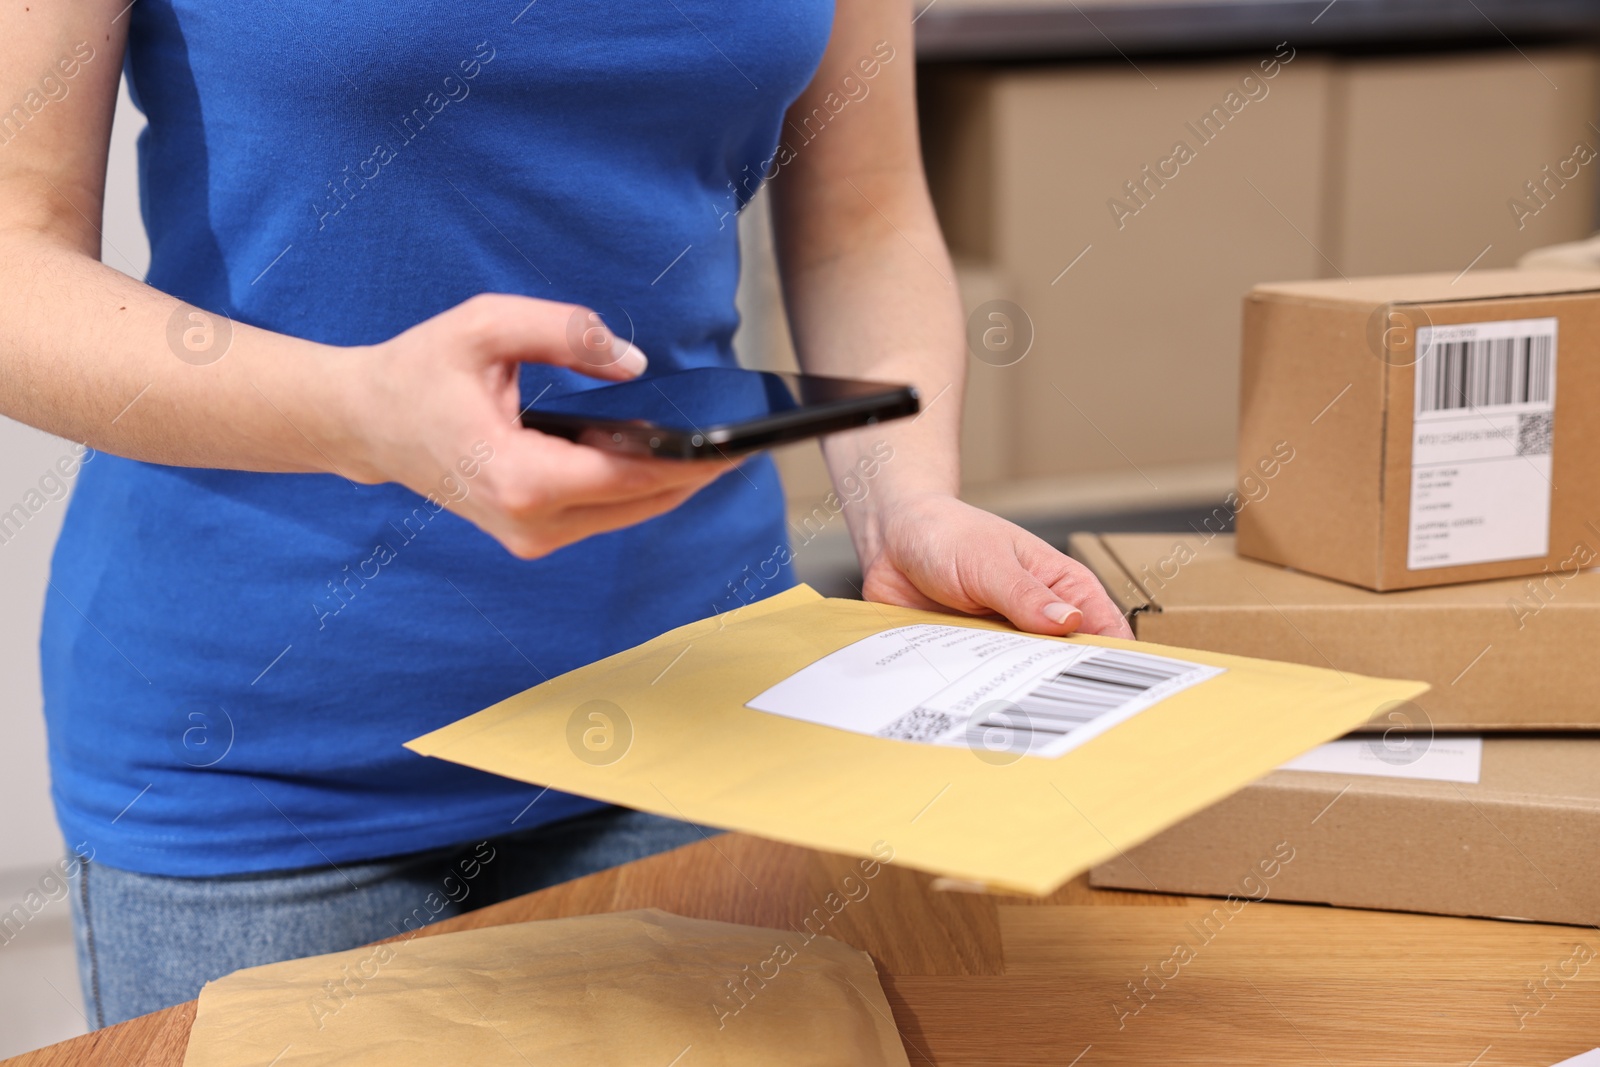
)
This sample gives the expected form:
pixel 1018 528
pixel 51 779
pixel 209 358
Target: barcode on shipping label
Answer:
pixel 1099 683
pixel 1487 372
pixel 958 685
pixel 1483 440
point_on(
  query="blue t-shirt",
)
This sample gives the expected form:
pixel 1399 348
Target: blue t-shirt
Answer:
pixel 232 661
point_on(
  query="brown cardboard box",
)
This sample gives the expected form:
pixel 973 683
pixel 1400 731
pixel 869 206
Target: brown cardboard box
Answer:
pixel 1435 154
pixel 1511 654
pixel 1520 843
pixel 1344 167
pixel 1134 361
pixel 1406 473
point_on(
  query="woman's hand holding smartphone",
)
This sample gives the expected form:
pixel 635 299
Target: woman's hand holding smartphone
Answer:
pixel 442 398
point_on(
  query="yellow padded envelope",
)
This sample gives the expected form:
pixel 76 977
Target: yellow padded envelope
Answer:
pixel 664 727
pixel 644 988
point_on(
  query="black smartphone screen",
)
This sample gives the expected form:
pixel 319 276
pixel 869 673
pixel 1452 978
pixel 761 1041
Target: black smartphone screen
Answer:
pixel 692 400
pixel 712 411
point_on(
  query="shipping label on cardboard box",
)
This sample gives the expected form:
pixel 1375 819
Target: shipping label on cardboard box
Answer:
pixel 1482 441
pixel 1424 757
pixel 1437 464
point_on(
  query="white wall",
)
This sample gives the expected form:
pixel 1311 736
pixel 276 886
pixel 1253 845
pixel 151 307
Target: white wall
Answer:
pixel 39 1001
pixel 125 247
pixel 30 838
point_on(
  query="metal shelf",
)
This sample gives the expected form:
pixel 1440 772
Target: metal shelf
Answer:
pixel 957 30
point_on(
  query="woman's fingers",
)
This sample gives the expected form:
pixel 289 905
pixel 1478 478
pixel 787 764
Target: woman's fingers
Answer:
pixel 496 328
pixel 951 555
pixel 1070 582
pixel 1100 615
pixel 544 470
pixel 541 493
pixel 1000 581
pixel 450 385
pixel 558 528
pixel 577 523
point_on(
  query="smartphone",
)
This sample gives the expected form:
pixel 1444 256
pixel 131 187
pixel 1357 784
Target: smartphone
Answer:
pixel 716 412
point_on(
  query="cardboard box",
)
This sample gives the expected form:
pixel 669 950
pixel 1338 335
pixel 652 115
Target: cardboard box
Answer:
pixel 1436 155
pixel 1135 352
pixel 1335 166
pixel 1514 654
pixel 1517 844
pixel 1442 427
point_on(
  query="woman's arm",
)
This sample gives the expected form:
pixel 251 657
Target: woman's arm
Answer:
pixel 871 293
pixel 85 351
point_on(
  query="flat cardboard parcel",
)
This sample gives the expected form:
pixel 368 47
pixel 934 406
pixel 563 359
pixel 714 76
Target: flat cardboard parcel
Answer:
pixel 1519 843
pixel 1513 654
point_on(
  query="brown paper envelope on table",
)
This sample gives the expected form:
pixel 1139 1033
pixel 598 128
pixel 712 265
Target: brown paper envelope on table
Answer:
pixel 635 987
pixel 880 727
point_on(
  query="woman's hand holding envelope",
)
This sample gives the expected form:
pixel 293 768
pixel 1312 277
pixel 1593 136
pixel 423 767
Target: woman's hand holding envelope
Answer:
pixel 934 552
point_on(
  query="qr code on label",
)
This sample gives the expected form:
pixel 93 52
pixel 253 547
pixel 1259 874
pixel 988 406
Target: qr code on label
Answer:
pixel 918 724
pixel 1534 433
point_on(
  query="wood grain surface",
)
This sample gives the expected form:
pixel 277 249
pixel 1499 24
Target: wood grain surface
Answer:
pixel 987 980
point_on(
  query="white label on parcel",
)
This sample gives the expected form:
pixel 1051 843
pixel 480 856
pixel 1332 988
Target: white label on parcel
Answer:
pixel 1434 759
pixel 1583 1059
pixel 1483 430
pixel 993 691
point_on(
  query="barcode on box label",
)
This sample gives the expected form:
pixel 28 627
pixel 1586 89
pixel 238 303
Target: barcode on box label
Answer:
pixel 1492 372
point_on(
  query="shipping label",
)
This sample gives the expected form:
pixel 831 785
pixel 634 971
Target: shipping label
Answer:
pixel 1482 440
pixel 990 690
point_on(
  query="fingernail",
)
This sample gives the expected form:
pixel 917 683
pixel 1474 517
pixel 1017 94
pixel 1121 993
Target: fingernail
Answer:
pixel 1061 614
pixel 630 358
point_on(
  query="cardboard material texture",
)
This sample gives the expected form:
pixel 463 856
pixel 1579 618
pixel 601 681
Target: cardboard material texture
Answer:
pixel 1492 166
pixel 674 736
pixel 1517 844
pixel 1015 189
pixel 1441 426
pixel 636 987
pixel 1134 316
pixel 1513 654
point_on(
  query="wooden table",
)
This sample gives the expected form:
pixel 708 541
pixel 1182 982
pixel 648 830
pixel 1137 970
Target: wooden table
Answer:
pixel 1003 981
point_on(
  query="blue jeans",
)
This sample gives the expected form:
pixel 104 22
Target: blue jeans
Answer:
pixel 146 942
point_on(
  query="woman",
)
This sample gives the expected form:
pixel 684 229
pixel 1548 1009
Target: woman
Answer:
pixel 317 529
